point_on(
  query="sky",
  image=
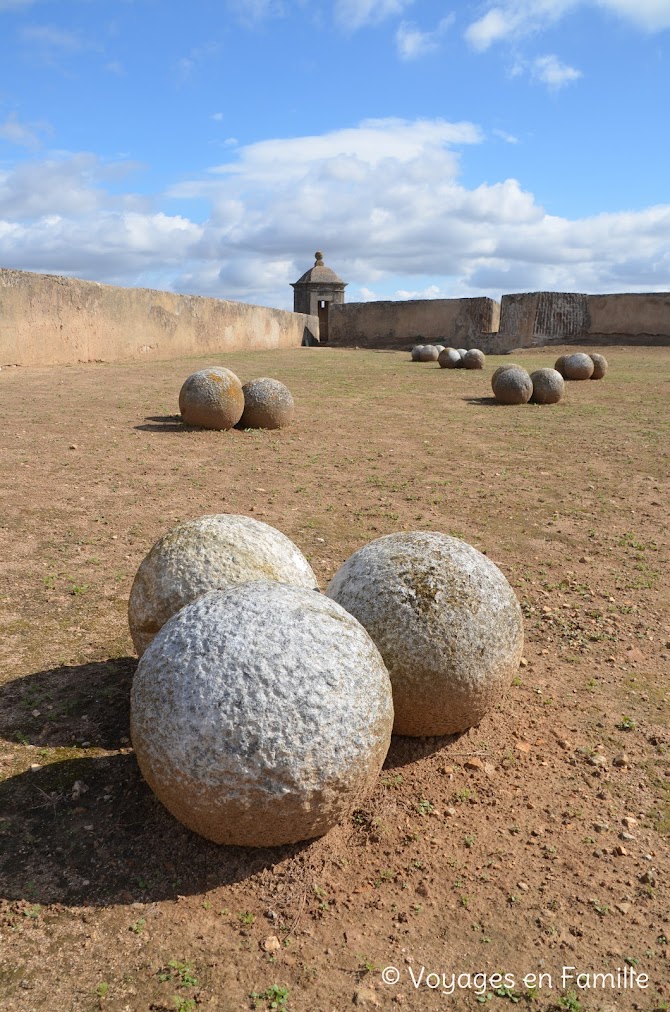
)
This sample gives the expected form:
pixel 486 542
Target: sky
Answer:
pixel 430 150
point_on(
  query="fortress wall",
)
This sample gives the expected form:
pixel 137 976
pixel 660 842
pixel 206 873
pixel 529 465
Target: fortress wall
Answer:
pixel 400 325
pixel 630 318
pixel 50 320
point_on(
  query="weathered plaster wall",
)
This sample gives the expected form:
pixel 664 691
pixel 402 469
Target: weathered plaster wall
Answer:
pixel 644 317
pixel 51 320
pixel 458 322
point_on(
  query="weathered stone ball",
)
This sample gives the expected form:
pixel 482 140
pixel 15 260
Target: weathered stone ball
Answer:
pixel 449 359
pixel 548 386
pixel 461 352
pixel 440 349
pixel 212 399
pixel 261 715
pixel 513 386
pixel 578 366
pixel 208 553
pixel 474 359
pixel 428 353
pixel 268 404
pixel 559 363
pixel 502 368
pixel 600 366
pixel 446 622
pixel 416 351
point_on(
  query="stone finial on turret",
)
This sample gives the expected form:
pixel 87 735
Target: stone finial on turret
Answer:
pixel 319 259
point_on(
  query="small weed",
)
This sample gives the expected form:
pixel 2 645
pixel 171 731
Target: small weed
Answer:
pixel 246 918
pixel 570 1001
pixel 102 989
pixel 626 724
pixel 599 908
pixel 394 781
pixel 77 589
pixel 137 927
pixel 179 973
pixel 274 996
pixel 424 807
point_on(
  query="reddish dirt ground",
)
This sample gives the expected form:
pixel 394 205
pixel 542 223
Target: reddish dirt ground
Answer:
pixel 533 844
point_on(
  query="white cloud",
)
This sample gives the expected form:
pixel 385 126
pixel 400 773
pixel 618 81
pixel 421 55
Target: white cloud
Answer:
pixel 383 200
pixel 513 19
pixel 505 136
pixel 552 72
pixel 411 42
pixel 353 14
pixel 24 135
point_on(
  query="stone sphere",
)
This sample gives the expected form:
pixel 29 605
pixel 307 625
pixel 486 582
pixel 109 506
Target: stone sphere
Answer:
pixel 416 350
pixel 600 366
pixel 474 359
pixel 578 366
pixel 446 622
pixel 428 353
pixel 440 348
pixel 212 399
pixel 449 359
pixel 559 363
pixel 548 386
pixel 261 715
pixel 513 386
pixel 208 553
pixel 267 405
pixel 501 369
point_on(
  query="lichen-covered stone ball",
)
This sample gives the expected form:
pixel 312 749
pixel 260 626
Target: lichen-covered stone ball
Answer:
pixel 548 386
pixel 208 553
pixel 578 366
pixel 212 399
pixel 558 365
pixel 600 366
pixel 416 351
pixel 268 404
pixel 474 359
pixel 428 353
pixel 501 368
pixel 513 386
pixel 449 359
pixel 446 622
pixel 261 714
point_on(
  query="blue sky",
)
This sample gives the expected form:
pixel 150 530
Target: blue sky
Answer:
pixel 430 150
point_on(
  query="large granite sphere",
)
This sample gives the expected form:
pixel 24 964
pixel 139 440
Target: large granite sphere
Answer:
pixel 212 399
pixel 428 353
pixel 416 351
pixel 548 386
pixel 513 386
pixel 446 622
pixel 474 359
pixel 440 349
pixel 600 366
pixel 502 368
pixel 578 366
pixel 261 714
pixel 208 553
pixel 559 363
pixel 267 405
pixel 449 359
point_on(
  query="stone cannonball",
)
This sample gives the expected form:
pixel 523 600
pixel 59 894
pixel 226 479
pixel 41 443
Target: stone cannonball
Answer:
pixel 208 553
pixel 212 399
pixel 548 386
pixel 267 405
pixel 474 359
pixel 416 351
pixel 501 368
pixel 440 349
pixel 600 366
pixel 428 353
pixel 261 714
pixel 513 386
pixel 558 365
pixel 578 366
pixel 449 359
pixel 446 622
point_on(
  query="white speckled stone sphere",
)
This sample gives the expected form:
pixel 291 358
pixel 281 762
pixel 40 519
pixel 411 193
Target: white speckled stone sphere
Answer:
pixel 501 368
pixel 428 353
pixel 212 399
pixel 440 349
pixel 449 359
pixel 208 553
pixel 578 366
pixel 600 366
pixel 261 715
pixel 513 386
pixel 474 359
pixel 548 386
pixel 558 365
pixel 268 404
pixel 416 351
pixel 446 622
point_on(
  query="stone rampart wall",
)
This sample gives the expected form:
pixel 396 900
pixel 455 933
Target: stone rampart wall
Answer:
pixel 51 320
pixel 457 322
